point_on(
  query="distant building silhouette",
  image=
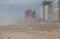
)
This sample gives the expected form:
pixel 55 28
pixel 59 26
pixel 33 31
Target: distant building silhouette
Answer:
pixel 30 16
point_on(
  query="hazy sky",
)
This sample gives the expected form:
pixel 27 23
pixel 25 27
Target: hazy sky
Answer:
pixel 11 10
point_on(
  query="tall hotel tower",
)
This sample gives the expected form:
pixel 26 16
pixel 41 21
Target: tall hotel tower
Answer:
pixel 46 10
pixel 56 11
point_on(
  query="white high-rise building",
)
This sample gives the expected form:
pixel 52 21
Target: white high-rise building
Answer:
pixel 42 9
pixel 49 13
pixel 46 11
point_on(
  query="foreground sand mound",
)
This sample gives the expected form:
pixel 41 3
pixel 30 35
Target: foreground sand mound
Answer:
pixel 30 31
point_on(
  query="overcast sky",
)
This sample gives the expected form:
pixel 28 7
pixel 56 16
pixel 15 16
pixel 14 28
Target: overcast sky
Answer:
pixel 11 10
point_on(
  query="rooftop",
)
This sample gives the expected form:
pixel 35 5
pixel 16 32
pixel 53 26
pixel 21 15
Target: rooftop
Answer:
pixel 47 2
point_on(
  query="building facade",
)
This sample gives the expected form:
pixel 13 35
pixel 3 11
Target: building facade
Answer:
pixel 56 11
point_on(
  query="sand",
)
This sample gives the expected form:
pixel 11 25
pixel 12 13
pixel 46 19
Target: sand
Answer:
pixel 30 32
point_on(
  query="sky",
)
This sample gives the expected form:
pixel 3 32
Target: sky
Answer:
pixel 11 10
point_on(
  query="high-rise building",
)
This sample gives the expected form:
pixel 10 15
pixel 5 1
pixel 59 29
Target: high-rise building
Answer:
pixel 42 10
pixel 30 16
pixel 56 11
pixel 46 10
pixel 27 15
